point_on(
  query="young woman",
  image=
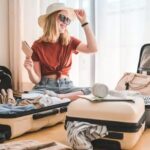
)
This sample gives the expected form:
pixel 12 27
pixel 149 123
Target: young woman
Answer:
pixel 52 54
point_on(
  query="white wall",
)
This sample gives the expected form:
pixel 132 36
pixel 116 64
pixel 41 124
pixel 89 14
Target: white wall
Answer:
pixel 4 46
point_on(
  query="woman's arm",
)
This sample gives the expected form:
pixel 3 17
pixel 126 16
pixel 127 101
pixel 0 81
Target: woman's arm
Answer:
pixel 91 45
pixel 33 69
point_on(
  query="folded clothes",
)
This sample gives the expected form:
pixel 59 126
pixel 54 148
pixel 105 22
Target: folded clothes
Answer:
pixel 31 95
pixel 34 94
pixel 11 109
pixel 47 100
pixel 43 101
pixel 51 93
pixel 26 102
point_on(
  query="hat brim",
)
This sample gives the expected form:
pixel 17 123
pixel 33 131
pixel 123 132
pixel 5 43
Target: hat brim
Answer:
pixel 71 15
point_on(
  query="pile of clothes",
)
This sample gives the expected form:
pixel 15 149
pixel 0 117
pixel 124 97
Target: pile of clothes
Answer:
pixel 10 105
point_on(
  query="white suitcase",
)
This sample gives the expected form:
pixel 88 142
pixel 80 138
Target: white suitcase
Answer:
pixel 125 120
pixel 13 125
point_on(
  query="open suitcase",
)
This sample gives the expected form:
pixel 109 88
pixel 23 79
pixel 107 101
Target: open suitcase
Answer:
pixel 125 121
pixel 13 125
pixel 139 81
pixel 18 123
pixel 144 68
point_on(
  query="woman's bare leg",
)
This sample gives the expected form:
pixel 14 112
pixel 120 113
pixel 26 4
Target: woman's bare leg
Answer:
pixel 72 96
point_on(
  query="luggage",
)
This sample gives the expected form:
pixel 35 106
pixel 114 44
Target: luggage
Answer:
pixel 125 121
pixel 16 124
pixel 144 68
pixel 139 81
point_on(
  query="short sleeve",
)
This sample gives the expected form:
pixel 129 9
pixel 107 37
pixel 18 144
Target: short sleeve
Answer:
pixel 74 43
pixel 35 56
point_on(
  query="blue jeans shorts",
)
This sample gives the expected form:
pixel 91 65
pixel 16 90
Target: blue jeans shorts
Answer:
pixel 60 86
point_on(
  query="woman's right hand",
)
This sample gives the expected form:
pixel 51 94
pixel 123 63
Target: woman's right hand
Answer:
pixel 28 63
pixel 81 15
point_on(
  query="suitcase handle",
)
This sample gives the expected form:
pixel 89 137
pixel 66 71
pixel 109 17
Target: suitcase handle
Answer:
pixel 45 114
pixel 63 109
pixel 49 113
pixel 106 144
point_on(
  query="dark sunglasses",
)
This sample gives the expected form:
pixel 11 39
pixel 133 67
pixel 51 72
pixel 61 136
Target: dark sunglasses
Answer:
pixel 64 19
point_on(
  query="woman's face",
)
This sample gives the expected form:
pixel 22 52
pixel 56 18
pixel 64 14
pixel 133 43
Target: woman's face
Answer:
pixel 63 21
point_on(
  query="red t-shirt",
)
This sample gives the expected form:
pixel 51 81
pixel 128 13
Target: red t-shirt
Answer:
pixel 54 58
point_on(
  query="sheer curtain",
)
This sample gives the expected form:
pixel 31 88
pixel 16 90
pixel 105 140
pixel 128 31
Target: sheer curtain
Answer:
pixel 121 27
pixel 15 36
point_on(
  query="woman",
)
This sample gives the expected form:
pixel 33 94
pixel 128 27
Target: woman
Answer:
pixel 52 54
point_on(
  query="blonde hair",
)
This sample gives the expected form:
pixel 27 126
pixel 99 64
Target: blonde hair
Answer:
pixel 51 33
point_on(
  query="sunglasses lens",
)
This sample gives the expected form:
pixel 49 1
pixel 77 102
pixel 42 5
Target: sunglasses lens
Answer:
pixel 68 20
pixel 64 19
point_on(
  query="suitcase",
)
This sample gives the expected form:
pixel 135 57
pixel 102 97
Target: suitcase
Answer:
pixel 18 123
pixel 13 125
pixel 125 121
pixel 144 68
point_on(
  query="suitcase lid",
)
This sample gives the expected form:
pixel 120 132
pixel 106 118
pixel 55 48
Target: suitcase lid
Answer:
pixel 109 111
pixel 117 116
pixel 144 59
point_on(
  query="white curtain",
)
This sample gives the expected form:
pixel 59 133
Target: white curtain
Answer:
pixel 15 34
pixel 122 27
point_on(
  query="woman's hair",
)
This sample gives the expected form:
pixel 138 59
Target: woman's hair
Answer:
pixel 51 32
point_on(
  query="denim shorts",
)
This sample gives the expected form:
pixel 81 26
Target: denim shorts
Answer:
pixel 60 86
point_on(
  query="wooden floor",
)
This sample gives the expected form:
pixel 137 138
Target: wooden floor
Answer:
pixel 58 133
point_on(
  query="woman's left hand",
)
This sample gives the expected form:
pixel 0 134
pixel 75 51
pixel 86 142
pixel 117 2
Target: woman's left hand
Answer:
pixel 81 15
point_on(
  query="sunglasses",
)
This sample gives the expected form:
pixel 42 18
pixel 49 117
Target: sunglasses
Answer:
pixel 64 19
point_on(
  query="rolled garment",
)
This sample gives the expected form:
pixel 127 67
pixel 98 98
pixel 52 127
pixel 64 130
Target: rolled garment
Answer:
pixel 11 109
pixel 100 90
pixel 80 134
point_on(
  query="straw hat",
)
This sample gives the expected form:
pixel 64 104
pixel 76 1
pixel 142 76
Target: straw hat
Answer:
pixel 53 8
